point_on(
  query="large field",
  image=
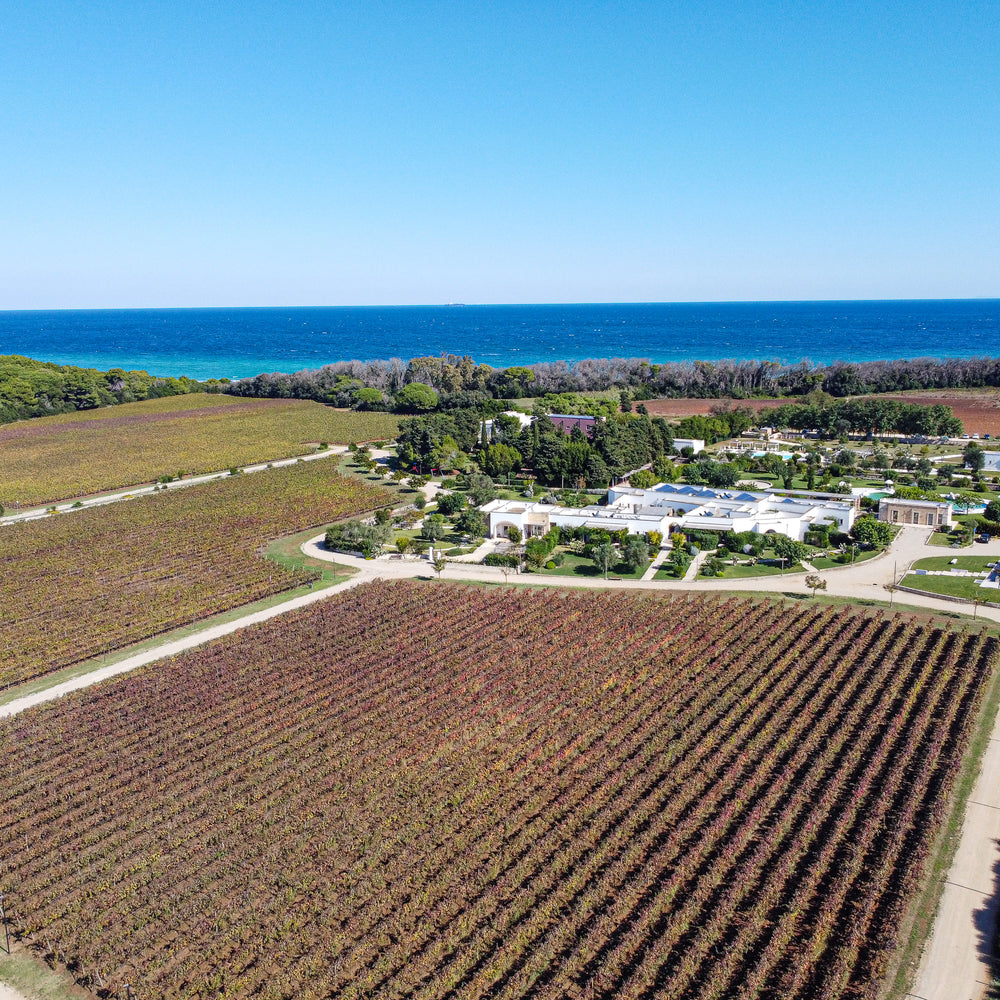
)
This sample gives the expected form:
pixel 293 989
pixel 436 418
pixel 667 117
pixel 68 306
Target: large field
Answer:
pixel 78 584
pixel 425 792
pixel 74 454
pixel 978 409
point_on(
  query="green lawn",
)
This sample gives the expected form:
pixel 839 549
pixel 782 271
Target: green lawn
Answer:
pixel 976 564
pixel 951 586
pixel 664 573
pixel 828 562
pixel 742 570
pixel 737 572
pixel 762 568
pixel 576 565
pixel 449 541
pixel 944 541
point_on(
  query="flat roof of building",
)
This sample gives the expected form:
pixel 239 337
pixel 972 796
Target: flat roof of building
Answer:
pixel 914 503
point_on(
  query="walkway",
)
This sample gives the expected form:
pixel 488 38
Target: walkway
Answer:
pixel 953 965
pixel 658 560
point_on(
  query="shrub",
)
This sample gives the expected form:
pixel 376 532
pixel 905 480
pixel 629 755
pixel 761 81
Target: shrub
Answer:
pixel 502 559
pixel 707 540
pixel 450 503
pixel 713 567
pixel 817 537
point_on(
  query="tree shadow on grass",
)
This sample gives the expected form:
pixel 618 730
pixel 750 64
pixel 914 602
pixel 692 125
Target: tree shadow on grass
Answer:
pixel 622 570
pixel 988 932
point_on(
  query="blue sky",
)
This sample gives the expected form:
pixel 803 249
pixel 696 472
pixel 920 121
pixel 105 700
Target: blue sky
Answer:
pixel 338 153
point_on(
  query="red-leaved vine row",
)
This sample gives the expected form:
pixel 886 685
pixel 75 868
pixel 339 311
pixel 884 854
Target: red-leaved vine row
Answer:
pixel 431 792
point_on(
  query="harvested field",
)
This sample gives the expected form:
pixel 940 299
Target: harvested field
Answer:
pixel 75 454
pixel 978 409
pixel 439 791
pixel 79 584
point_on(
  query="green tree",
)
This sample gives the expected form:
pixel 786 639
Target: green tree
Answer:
pixel 788 471
pixel 721 475
pixel 643 479
pixel 603 556
pixel 355 536
pixel 871 532
pixel 966 501
pixel 434 527
pixel 368 399
pixel 499 459
pixel 451 503
pixel 597 475
pixel 448 456
pixel 636 552
pixel 481 489
pixel 679 559
pixel 416 397
pixel 439 563
pixel 788 549
pixel 664 469
pixel 472 522
pixel 814 583
pixel 973 457
pixel 536 551
pixel 514 534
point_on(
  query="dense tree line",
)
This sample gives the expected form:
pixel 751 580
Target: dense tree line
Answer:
pixel 459 382
pixel 451 383
pixel 449 441
pixel 30 388
pixel 870 416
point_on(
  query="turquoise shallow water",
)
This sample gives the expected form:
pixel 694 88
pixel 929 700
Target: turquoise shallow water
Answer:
pixel 236 343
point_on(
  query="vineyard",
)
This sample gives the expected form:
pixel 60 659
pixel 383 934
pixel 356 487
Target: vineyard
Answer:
pixel 53 458
pixel 418 791
pixel 78 584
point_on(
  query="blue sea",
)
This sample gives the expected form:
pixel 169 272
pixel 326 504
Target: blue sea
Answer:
pixel 237 343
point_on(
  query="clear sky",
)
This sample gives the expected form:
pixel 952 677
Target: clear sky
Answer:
pixel 175 153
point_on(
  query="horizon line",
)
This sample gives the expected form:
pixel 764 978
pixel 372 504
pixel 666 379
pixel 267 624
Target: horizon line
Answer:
pixel 500 305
